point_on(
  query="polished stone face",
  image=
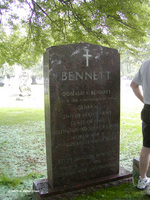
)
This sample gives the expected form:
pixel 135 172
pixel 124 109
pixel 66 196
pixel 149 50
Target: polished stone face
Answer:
pixel 82 112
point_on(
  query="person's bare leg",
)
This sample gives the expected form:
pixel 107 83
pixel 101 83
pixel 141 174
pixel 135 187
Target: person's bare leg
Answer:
pixel 144 161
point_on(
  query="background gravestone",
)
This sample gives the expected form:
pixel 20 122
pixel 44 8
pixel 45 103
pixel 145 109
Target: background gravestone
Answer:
pixel 82 112
pixel 24 84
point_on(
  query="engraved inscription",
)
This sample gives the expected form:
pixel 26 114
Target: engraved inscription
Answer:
pixel 87 56
pixel 85 157
pixel 92 141
pixel 86 170
pixel 82 93
pixel 76 76
pixel 85 128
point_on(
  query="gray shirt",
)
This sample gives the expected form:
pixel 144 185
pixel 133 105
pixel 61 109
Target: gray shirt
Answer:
pixel 143 78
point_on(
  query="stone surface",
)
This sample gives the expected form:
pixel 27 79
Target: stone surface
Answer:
pixel 82 113
pixel 43 191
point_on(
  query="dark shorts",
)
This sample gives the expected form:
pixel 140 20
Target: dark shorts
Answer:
pixel 145 116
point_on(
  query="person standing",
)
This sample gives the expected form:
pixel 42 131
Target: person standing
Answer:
pixel 142 78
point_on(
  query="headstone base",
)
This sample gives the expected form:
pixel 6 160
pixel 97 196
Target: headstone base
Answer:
pixel 43 191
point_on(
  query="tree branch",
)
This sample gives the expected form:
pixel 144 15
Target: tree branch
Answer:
pixel 42 10
pixel 125 24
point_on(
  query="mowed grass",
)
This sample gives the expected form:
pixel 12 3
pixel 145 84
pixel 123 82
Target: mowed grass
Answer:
pixel 123 191
pixel 23 157
pixel 130 137
pixel 22 150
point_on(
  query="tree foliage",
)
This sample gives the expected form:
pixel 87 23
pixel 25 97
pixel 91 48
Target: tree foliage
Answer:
pixel 28 27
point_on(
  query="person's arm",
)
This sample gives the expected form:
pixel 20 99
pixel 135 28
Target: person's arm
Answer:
pixel 136 89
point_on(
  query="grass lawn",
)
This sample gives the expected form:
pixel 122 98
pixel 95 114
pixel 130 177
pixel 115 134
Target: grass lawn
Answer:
pixel 22 153
pixel 22 149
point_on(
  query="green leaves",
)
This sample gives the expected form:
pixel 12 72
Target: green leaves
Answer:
pixel 119 24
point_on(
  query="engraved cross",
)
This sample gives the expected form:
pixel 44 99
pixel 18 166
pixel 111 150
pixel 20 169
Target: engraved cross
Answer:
pixel 87 56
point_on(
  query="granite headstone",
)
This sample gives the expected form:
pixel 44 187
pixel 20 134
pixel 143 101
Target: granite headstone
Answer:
pixel 82 112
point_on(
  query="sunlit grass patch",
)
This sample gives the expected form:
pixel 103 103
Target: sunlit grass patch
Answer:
pixel 21 116
pixel 13 182
pixel 125 191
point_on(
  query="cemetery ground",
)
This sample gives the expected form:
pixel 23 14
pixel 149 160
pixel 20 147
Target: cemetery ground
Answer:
pixel 22 147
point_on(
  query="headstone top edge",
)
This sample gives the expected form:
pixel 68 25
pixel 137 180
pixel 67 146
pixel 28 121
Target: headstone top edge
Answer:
pixel 74 44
